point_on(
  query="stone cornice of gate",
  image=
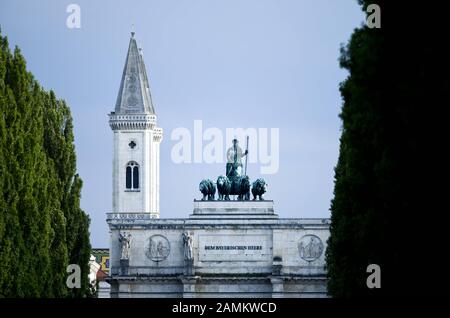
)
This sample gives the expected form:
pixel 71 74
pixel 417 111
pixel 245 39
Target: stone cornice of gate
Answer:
pixel 179 224
pixel 218 278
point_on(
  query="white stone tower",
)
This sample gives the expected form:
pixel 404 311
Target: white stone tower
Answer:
pixel 136 141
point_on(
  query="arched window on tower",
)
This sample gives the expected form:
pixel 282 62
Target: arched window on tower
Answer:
pixel 135 177
pixel 132 176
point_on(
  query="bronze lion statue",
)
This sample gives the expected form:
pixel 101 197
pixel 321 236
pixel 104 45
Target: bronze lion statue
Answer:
pixel 242 188
pixel 259 188
pixel 208 189
pixel 223 188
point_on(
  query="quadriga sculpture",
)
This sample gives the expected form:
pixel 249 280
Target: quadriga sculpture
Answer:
pixel 234 183
pixel 223 188
pixel 208 189
pixel 259 188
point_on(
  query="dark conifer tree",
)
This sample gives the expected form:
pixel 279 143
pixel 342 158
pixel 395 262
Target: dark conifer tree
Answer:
pixel 393 97
pixel 42 228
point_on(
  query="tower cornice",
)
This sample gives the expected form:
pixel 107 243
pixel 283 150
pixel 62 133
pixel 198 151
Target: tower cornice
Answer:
pixel 132 121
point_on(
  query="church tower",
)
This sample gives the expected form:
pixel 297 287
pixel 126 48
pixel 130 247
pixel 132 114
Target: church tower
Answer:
pixel 136 141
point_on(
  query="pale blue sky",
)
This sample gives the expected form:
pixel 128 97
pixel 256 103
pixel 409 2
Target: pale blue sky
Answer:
pixel 230 63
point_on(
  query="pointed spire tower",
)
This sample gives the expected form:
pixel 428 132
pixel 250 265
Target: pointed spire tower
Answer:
pixel 134 93
pixel 136 140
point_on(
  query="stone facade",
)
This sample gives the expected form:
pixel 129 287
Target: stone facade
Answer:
pixel 240 249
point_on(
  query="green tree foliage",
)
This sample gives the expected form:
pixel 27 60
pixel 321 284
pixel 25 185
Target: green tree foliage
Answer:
pixel 42 228
pixel 392 91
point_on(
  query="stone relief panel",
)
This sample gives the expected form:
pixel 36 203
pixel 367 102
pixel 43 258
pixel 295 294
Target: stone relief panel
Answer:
pixel 158 248
pixel 310 247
